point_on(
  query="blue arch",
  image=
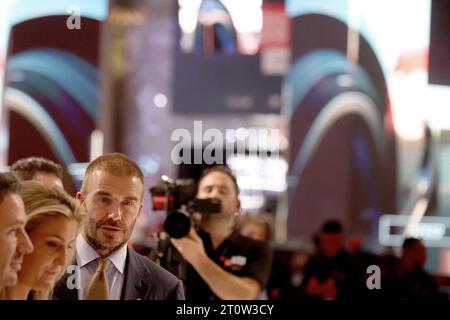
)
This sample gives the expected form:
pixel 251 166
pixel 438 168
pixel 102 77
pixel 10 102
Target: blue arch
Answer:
pixel 71 74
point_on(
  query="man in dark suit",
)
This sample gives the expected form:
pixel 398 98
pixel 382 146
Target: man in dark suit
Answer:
pixel 106 267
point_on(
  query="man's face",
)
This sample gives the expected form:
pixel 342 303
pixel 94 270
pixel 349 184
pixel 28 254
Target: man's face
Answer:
pixel 48 179
pixel 220 186
pixel 421 254
pixel 416 256
pixel 14 241
pixel 113 204
pixel 254 231
pixel 331 243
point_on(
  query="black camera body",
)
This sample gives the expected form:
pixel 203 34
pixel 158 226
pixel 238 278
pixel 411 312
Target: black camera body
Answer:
pixel 177 198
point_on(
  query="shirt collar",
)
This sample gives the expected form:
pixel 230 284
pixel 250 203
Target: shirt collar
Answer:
pixel 207 242
pixel 119 257
pixel 86 254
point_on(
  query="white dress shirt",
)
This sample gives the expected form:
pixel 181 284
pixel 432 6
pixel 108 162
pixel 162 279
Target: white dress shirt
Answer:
pixel 87 262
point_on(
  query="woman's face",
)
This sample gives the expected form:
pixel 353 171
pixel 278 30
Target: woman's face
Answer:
pixel 53 240
pixel 254 231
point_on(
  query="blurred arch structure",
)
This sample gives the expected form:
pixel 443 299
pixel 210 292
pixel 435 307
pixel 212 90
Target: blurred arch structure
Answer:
pixel 52 80
pixel 343 154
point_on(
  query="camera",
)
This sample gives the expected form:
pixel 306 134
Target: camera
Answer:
pixel 177 198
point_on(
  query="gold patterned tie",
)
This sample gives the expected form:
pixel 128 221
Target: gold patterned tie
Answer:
pixel 98 287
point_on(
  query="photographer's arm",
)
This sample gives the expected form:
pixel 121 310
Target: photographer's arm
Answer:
pixel 224 284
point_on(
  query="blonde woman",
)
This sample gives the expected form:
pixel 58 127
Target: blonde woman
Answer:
pixel 256 226
pixel 53 221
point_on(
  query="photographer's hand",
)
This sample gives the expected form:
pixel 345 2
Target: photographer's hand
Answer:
pixel 224 284
pixel 190 247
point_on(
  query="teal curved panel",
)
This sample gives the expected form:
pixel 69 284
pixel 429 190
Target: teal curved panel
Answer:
pixel 36 114
pixel 307 71
pixel 23 10
pixel 71 73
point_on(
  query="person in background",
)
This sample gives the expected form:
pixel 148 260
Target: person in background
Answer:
pixel 411 281
pixel 256 226
pixel 14 241
pixel 330 273
pixel 39 169
pixel 54 219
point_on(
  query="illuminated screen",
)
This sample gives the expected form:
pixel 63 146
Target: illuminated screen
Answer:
pixel 218 62
pixel 229 26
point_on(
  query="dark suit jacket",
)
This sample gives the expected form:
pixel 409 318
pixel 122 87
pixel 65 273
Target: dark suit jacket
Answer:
pixel 143 280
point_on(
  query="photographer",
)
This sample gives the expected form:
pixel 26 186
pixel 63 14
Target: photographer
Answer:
pixel 221 263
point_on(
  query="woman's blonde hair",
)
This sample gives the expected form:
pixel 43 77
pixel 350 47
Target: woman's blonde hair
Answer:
pixel 262 219
pixel 43 202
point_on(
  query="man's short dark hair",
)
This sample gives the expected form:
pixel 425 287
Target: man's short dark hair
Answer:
pixel 221 169
pixel 332 226
pixel 410 243
pixel 25 169
pixel 115 163
pixel 8 184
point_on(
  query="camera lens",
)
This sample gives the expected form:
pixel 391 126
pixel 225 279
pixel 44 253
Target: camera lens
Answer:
pixel 177 224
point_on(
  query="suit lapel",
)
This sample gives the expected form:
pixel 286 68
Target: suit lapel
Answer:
pixel 135 286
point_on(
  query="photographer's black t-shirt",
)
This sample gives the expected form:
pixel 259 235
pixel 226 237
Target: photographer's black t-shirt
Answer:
pixel 241 256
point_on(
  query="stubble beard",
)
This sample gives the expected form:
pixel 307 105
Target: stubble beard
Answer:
pixel 90 234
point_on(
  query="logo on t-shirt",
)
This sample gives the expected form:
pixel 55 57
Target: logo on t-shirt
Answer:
pixel 234 262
